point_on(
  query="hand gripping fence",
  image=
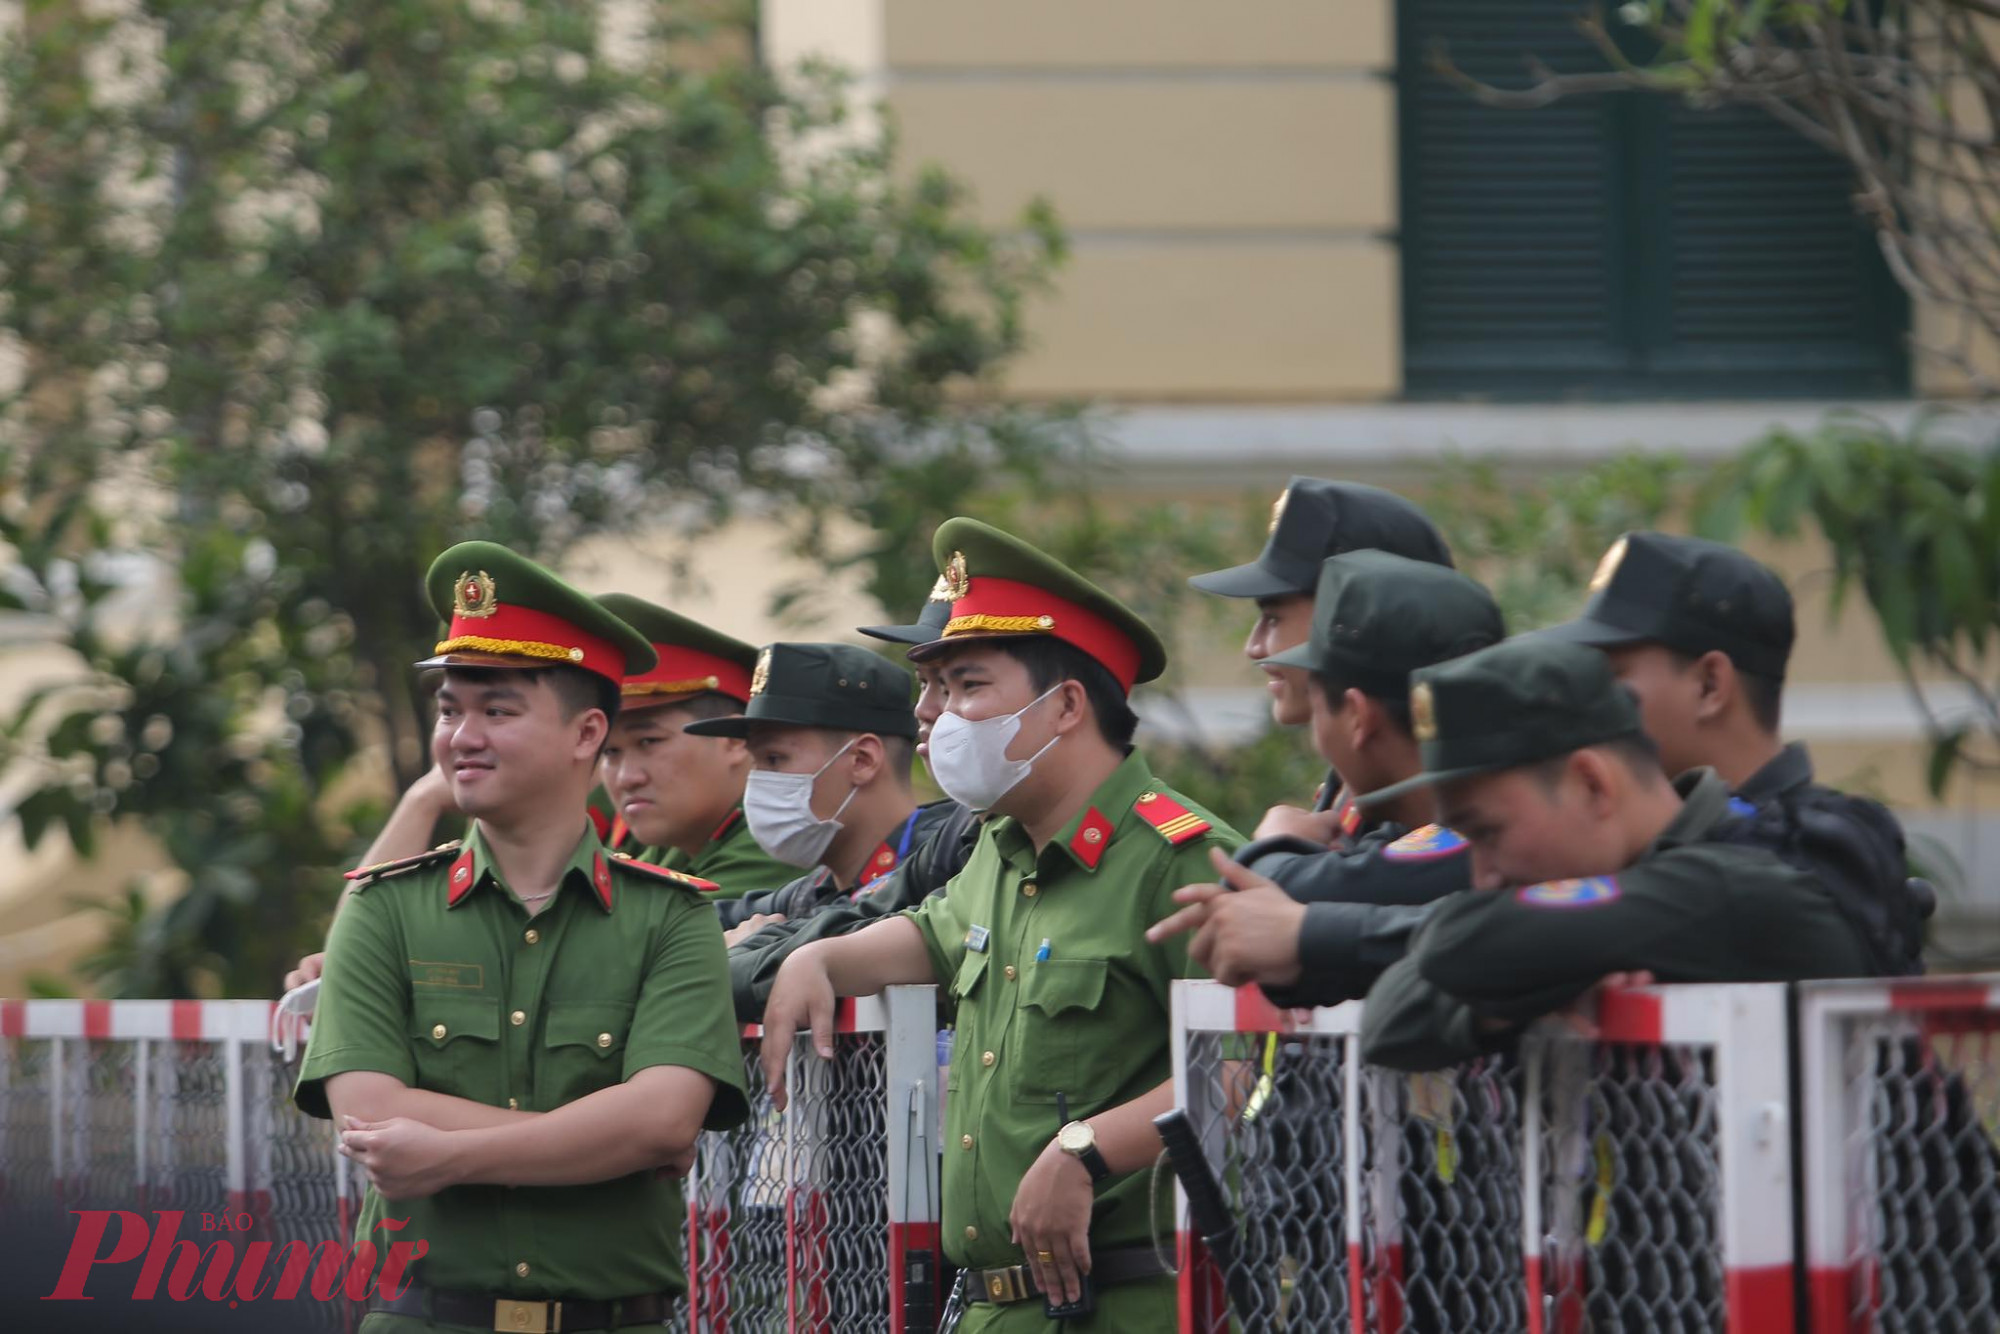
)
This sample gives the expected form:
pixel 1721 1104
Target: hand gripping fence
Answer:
pixel 1637 1182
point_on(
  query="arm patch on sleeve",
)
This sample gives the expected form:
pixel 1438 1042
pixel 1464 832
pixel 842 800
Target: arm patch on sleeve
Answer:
pixel 1429 843
pixel 1589 892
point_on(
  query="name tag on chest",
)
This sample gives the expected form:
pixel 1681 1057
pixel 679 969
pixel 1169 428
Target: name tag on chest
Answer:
pixel 458 976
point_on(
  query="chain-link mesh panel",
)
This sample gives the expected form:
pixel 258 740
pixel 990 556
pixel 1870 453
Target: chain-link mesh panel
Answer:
pixel 840 1203
pixel 1440 1199
pixel 294 1163
pixel 102 1108
pixel 1279 1133
pixel 193 1132
pixel 1632 1189
pixel 1925 1189
pixel 736 1259
pixel 29 1133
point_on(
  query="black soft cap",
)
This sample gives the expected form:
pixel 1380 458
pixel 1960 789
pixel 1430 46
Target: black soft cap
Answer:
pixel 1314 519
pixel 927 627
pixel 838 686
pixel 1690 595
pixel 1527 699
pixel 1377 617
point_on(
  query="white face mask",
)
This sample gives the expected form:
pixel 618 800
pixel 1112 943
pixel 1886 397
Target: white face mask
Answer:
pixel 969 759
pixel 778 808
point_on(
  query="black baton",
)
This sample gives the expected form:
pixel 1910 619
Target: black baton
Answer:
pixel 1207 1210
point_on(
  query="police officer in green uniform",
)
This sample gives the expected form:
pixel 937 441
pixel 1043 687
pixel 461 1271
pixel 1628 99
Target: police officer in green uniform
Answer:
pixel 517 1034
pixel 1315 924
pixel 1586 862
pixel 832 736
pixel 679 794
pixel 1702 634
pixel 1062 1054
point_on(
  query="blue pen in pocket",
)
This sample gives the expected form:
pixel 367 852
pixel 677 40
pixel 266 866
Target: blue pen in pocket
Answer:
pixel 1042 954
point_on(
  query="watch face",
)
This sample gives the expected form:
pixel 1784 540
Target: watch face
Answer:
pixel 1075 1137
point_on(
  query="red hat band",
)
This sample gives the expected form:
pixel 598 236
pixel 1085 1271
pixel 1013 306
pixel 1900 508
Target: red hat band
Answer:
pixel 1006 606
pixel 522 632
pixel 683 671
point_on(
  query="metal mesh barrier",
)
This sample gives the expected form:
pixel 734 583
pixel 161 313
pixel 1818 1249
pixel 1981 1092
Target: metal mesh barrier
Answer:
pixel 1275 1132
pixel 1635 1183
pixel 1632 1188
pixel 1440 1200
pixel 1903 1156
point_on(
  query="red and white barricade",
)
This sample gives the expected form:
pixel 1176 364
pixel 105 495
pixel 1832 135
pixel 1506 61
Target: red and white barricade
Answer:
pixel 1641 1180
pixel 1900 1083
pixel 824 1217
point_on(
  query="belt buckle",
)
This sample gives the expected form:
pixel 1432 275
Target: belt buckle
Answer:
pixel 1007 1284
pixel 513 1317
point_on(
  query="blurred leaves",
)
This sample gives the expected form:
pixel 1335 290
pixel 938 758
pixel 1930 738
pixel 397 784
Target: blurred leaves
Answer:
pixel 300 294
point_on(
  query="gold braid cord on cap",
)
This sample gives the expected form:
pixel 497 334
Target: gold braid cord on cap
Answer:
pixel 521 648
pixel 672 687
pixel 967 625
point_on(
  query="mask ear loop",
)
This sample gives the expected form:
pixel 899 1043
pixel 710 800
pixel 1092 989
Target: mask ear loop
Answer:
pixel 1031 704
pixel 851 791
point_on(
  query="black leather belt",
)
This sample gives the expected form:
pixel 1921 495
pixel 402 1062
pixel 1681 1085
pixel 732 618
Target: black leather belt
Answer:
pixel 515 1316
pixel 1016 1283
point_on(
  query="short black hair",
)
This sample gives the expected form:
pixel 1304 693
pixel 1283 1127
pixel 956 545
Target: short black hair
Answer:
pixel 1052 661
pixel 1764 694
pixel 1397 706
pixel 577 690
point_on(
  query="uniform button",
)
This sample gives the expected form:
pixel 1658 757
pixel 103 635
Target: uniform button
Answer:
pixel 965 1143
pixel 1011 973
pixel 971 1233
pixel 603 1039
pixel 518 1018
pixel 522 1269
pixel 1028 888
pixel 438 1032
pixel 513 1105
pixel 986 1058
pixel 531 935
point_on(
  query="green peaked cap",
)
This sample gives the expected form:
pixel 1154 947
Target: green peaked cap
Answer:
pixel 693 658
pixel 504 610
pixel 1001 587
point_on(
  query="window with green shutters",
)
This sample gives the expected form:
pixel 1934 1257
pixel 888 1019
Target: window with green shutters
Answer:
pixel 1624 245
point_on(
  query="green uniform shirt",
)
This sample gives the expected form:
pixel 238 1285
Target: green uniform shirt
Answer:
pixel 1090 1021
pixel 438 976
pixel 731 858
pixel 1687 910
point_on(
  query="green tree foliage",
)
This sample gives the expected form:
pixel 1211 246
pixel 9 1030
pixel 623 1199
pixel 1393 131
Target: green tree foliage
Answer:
pixel 301 292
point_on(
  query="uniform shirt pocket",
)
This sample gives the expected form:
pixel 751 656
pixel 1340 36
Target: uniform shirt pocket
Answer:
pixel 456 1040
pixel 964 984
pixel 584 1050
pixel 1058 1039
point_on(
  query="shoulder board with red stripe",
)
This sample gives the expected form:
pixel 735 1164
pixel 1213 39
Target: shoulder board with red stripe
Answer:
pixel 443 852
pixel 625 861
pixel 1176 823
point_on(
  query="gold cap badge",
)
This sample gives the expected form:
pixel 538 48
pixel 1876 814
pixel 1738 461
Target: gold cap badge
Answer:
pixel 1608 567
pixel 761 677
pixel 955 582
pixel 1278 509
pixel 473 596
pixel 1423 712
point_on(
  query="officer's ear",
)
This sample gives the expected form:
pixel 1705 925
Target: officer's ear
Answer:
pixel 1599 778
pixel 1072 707
pixel 867 757
pixel 1716 686
pixel 1366 717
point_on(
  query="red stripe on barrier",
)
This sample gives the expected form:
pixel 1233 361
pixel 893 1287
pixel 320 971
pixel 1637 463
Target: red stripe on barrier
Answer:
pixel 13 1019
pixel 1201 1296
pixel 753 1030
pixel 843 1015
pixel 1629 1016
pixel 186 1021
pixel 1830 1292
pixel 1759 1299
pixel 1948 997
pixel 1357 1296
pixel 97 1020
pixel 904 1240
pixel 1256 1014
pixel 1388 1280
pixel 1534 1276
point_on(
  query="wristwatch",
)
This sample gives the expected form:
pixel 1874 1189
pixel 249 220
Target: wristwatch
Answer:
pixel 1079 1141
